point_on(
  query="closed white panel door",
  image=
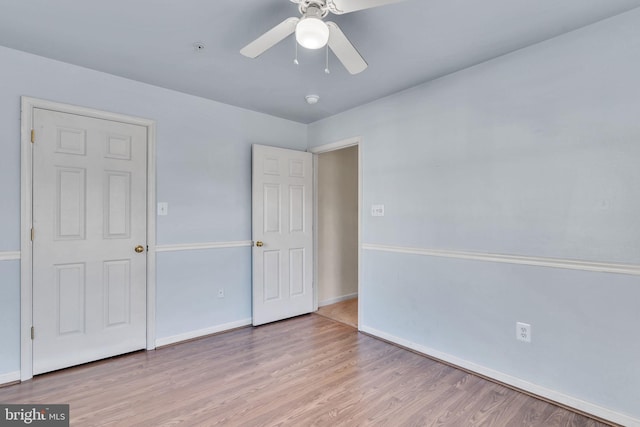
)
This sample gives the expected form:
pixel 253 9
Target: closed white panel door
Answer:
pixel 282 233
pixel 89 215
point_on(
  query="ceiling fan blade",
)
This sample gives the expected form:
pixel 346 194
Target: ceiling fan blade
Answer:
pixel 345 6
pixel 270 38
pixel 344 50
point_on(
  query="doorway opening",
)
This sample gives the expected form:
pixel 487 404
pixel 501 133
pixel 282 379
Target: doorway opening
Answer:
pixel 337 231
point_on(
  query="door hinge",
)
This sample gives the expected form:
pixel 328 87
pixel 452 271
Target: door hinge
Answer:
pixel 33 233
pixel 33 332
pixel 33 136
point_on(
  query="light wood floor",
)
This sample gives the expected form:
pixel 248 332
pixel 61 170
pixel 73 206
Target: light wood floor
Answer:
pixel 344 311
pixel 299 372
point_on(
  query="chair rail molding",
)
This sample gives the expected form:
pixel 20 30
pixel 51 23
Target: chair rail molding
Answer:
pixel 571 264
pixel 204 245
pixel 9 255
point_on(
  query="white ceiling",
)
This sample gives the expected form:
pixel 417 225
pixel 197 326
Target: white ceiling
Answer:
pixel 405 44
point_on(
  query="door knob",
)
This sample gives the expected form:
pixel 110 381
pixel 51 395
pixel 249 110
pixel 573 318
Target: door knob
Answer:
pixel 259 244
pixel 139 249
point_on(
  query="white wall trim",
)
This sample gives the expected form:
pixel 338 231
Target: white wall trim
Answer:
pixel 9 377
pixel 26 192
pixel 345 143
pixel 202 332
pixel 151 229
pixel 206 245
pixel 337 299
pixel 602 267
pixel 9 255
pixel 538 390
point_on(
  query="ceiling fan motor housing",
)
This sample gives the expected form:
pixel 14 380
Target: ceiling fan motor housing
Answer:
pixel 324 5
pixel 313 8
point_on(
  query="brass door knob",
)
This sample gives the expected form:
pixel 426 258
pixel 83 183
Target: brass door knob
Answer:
pixel 139 249
pixel 259 244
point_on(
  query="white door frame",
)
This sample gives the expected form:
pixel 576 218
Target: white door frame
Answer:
pixel 26 220
pixel 345 143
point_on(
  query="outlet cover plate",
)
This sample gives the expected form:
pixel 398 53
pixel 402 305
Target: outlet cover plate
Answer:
pixel 523 332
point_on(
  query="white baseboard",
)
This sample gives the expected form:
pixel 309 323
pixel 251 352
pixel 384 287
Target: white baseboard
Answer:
pixel 9 377
pixel 201 332
pixel 337 299
pixel 555 396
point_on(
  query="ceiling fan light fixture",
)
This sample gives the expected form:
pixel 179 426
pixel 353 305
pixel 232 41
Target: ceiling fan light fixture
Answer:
pixel 312 33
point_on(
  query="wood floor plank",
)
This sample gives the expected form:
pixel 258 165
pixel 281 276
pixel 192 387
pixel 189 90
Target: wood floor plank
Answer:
pixel 306 371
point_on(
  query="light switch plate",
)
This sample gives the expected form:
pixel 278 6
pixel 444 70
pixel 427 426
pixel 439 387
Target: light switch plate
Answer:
pixel 163 208
pixel 377 210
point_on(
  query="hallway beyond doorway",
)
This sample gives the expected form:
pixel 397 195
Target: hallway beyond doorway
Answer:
pixel 344 312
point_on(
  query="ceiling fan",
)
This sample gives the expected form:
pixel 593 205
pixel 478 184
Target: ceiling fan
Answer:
pixel 314 33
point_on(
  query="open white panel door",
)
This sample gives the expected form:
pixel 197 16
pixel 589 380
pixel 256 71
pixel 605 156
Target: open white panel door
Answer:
pixel 282 233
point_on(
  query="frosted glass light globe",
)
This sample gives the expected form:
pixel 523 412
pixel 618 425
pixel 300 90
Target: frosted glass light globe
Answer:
pixel 312 33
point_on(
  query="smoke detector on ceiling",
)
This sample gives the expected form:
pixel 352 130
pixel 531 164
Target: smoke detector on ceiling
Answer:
pixel 312 99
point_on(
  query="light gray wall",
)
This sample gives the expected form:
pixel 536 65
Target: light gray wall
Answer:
pixel 535 153
pixel 337 224
pixel 9 316
pixel 203 172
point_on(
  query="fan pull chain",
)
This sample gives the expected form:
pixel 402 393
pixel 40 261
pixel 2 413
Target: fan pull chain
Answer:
pixel 326 68
pixel 295 60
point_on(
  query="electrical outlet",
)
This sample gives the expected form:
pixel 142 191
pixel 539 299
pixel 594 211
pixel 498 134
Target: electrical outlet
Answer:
pixel 221 293
pixel 523 332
